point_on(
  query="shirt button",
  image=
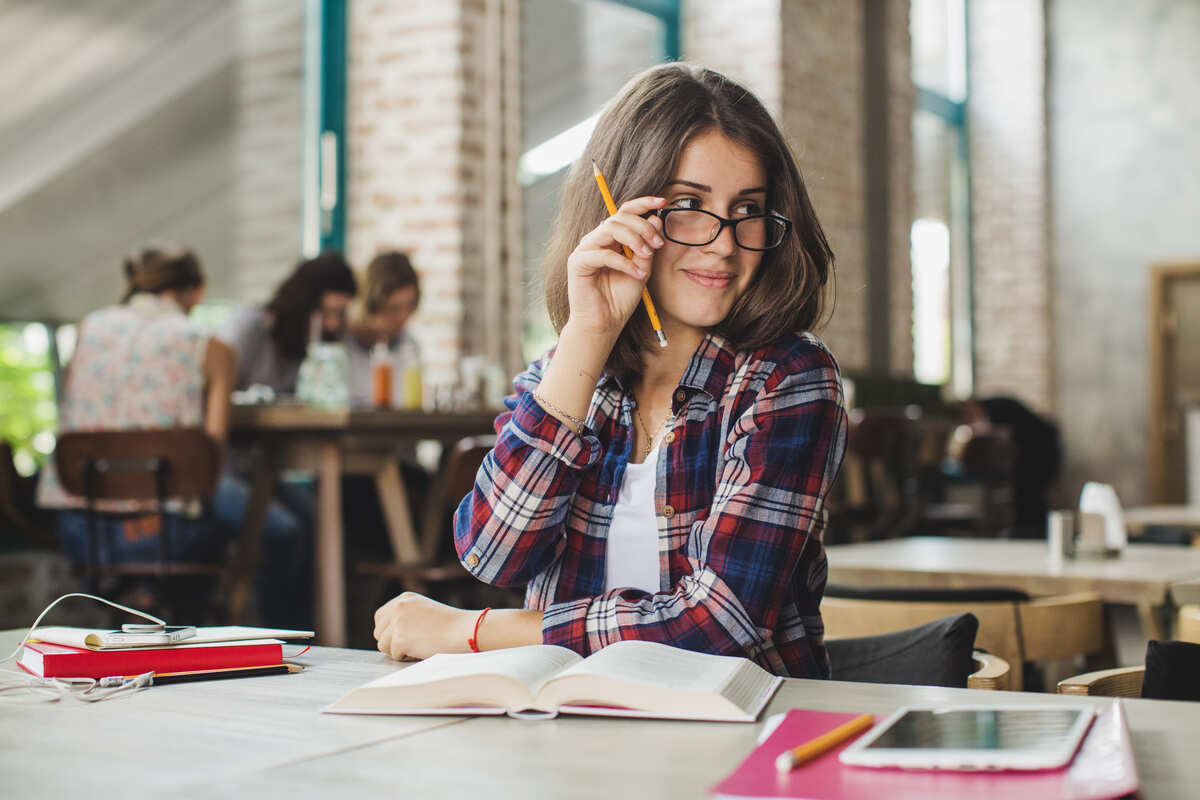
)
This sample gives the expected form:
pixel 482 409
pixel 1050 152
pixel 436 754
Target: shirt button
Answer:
pixel 680 396
pixel 670 437
pixel 472 560
pixel 668 511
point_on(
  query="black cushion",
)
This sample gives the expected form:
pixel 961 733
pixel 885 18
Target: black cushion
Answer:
pixel 1172 671
pixel 937 653
pixel 967 595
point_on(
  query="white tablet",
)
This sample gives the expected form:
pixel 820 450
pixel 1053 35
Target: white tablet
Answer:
pixel 971 738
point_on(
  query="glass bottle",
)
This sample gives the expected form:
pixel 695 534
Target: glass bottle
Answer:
pixel 381 375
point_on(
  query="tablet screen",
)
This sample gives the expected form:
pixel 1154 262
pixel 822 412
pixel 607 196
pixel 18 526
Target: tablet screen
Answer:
pixel 984 730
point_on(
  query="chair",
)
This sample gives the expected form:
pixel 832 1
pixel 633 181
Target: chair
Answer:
pixel 986 462
pixel 1012 626
pixel 1171 672
pixel 877 493
pixel 149 464
pixel 937 653
pixel 439 570
pixel 18 516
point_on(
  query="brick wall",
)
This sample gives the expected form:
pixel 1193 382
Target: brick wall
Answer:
pixel 1007 129
pixel 822 114
pixel 804 58
pixel 268 120
pixel 406 173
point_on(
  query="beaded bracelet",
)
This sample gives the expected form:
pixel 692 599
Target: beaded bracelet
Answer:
pixel 550 406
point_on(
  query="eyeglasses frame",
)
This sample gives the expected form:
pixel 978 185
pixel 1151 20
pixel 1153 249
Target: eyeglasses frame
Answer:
pixel 663 213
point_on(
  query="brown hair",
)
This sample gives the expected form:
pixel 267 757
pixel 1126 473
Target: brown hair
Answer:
pixel 160 267
pixel 300 295
pixel 387 273
pixel 637 144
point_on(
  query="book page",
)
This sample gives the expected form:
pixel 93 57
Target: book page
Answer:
pixel 649 679
pixel 659 665
pixel 531 665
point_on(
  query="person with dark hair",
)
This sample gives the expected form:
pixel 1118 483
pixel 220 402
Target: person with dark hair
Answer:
pixel 391 293
pixel 143 364
pixel 1037 461
pixel 271 342
pixel 664 494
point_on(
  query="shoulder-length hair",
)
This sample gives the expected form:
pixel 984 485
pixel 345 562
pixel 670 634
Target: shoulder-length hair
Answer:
pixel 300 295
pixel 386 273
pixel 637 144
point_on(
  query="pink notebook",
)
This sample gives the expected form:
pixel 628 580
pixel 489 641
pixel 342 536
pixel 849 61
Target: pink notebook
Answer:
pixel 1102 769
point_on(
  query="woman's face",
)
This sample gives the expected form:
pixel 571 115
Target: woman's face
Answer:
pixel 333 314
pixel 395 312
pixel 696 286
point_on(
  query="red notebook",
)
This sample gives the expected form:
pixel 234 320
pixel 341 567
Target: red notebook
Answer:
pixel 1102 769
pixel 59 661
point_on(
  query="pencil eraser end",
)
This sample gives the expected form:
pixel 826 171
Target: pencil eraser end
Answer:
pixel 662 339
pixel 784 762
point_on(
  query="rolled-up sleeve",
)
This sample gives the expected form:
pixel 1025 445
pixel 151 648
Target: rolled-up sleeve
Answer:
pixel 510 527
pixel 753 547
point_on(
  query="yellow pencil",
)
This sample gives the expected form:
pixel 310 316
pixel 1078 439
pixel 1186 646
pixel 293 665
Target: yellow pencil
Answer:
pixel 612 210
pixel 789 759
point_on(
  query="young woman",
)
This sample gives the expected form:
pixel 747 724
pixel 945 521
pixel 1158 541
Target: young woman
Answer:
pixel 143 364
pixel 391 293
pixel 668 494
pixel 272 340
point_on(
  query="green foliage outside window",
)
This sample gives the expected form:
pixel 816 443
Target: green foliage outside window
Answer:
pixel 27 408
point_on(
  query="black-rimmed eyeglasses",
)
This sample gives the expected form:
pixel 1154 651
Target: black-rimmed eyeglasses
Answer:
pixel 695 228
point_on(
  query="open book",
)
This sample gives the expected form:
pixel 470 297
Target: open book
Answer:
pixel 626 679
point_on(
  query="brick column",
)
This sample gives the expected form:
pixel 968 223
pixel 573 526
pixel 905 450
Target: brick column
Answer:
pixel 1007 128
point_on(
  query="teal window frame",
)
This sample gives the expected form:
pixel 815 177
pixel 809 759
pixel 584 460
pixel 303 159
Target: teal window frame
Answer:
pixel 324 209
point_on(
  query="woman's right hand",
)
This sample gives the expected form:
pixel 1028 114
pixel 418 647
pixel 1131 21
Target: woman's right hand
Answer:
pixel 603 286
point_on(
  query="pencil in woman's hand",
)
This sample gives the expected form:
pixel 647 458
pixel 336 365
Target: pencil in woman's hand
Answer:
pixel 612 210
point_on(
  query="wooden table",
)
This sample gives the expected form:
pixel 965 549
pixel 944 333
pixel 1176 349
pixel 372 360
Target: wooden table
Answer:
pixel 334 443
pixel 1142 576
pixel 1140 518
pixel 265 737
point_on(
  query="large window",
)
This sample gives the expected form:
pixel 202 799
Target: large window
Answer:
pixel 576 55
pixel 942 338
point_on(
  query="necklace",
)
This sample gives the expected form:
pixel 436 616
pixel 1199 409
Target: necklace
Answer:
pixel 650 437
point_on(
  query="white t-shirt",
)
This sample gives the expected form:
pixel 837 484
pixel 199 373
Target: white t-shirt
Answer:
pixel 632 558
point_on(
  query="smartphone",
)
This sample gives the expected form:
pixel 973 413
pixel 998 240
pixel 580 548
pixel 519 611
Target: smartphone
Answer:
pixel 147 634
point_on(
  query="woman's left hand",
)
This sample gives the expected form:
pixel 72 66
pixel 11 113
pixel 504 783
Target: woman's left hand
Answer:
pixel 411 626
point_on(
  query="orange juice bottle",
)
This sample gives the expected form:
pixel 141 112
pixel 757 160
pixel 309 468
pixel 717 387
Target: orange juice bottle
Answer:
pixel 381 376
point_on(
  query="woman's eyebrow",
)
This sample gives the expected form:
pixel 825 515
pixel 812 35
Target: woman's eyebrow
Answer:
pixel 703 188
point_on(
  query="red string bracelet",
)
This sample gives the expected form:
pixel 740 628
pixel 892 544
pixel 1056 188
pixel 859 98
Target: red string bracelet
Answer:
pixel 472 643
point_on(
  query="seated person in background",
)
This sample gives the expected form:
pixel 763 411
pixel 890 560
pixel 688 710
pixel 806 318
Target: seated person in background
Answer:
pixel 270 343
pixel 143 364
pixel 391 293
pixel 673 494
pixel 272 340
pixel 1037 461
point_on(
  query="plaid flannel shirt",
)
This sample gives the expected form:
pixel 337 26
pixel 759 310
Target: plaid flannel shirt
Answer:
pixel 741 485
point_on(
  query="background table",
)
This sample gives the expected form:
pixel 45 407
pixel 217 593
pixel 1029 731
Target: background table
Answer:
pixel 333 443
pixel 1142 576
pixel 265 737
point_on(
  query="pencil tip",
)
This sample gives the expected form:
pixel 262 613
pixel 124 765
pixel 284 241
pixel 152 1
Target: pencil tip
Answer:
pixel 595 169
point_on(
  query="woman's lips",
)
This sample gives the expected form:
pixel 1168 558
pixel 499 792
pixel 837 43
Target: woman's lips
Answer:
pixel 710 280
